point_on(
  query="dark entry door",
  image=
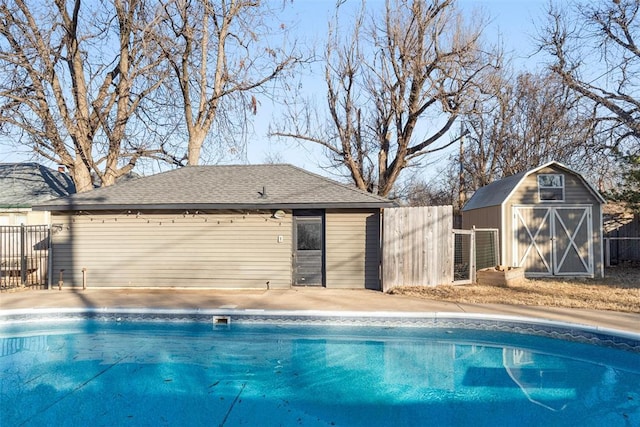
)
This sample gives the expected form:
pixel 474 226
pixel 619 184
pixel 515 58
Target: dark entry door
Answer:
pixel 308 248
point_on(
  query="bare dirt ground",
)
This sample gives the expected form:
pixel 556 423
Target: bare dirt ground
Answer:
pixel 618 291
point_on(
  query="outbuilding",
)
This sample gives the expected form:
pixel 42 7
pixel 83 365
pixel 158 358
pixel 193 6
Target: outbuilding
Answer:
pixel 549 221
pixel 242 226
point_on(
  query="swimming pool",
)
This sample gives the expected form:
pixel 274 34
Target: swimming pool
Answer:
pixel 173 368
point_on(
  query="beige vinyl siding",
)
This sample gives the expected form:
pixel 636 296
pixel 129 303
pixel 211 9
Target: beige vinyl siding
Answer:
pixel 507 231
pixel 488 217
pixel 598 240
pixel 352 242
pixel 231 250
pixel 26 216
pixel 575 192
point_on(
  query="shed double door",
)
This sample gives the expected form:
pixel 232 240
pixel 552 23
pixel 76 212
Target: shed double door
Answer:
pixel 553 240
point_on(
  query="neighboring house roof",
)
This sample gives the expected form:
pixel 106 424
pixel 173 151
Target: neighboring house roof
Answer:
pixel 618 216
pixel 223 187
pixel 23 185
pixel 498 192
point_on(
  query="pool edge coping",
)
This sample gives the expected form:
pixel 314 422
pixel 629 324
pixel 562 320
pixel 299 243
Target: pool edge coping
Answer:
pixel 558 328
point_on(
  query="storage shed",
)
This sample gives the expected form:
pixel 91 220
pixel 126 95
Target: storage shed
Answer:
pixel 246 226
pixel 549 221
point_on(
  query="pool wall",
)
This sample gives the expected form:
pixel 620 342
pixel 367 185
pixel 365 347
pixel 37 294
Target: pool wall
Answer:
pixel 226 317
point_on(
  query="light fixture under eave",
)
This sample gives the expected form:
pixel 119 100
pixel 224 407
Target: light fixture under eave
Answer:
pixel 278 214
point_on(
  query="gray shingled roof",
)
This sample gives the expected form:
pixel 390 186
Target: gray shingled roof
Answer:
pixel 223 187
pixel 23 185
pixel 498 192
pixel 495 193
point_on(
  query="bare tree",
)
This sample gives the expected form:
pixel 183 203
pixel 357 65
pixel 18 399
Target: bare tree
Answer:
pixel 416 191
pixel 531 119
pixel 595 52
pixel 74 75
pixel 222 55
pixel 395 87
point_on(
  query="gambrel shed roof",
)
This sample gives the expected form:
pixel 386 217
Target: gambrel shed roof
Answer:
pixel 498 192
pixel 223 187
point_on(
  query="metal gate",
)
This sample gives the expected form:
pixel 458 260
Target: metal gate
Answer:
pixel 553 240
pixel 24 256
pixel 463 254
pixel 473 250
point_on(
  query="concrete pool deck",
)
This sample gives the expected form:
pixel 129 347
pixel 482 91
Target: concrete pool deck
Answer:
pixel 300 299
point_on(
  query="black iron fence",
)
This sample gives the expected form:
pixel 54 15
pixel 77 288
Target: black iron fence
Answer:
pixel 24 256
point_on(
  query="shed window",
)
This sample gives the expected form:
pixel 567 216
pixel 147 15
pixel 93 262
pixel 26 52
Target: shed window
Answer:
pixel 551 187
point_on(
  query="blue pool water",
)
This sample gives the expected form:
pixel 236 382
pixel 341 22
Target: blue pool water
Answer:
pixel 96 373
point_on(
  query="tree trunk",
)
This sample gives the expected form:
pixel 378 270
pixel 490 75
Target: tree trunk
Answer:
pixel 196 140
pixel 82 177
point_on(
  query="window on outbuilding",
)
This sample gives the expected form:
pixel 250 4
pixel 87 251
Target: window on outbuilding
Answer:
pixel 551 187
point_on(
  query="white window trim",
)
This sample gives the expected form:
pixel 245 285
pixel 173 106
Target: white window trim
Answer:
pixel 544 187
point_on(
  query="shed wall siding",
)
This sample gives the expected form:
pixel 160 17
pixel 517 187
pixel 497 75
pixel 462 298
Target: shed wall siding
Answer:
pixel 489 217
pixel 174 250
pixel 482 218
pixel 352 242
pixel 576 193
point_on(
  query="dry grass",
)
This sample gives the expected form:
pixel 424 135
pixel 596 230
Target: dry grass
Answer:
pixel 618 291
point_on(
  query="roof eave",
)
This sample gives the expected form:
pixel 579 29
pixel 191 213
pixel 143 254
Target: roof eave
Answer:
pixel 465 209
pixel 15 206
pixel 213 206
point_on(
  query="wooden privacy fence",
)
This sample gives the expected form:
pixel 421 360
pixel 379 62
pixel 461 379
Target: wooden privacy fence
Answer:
pixel 417 246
